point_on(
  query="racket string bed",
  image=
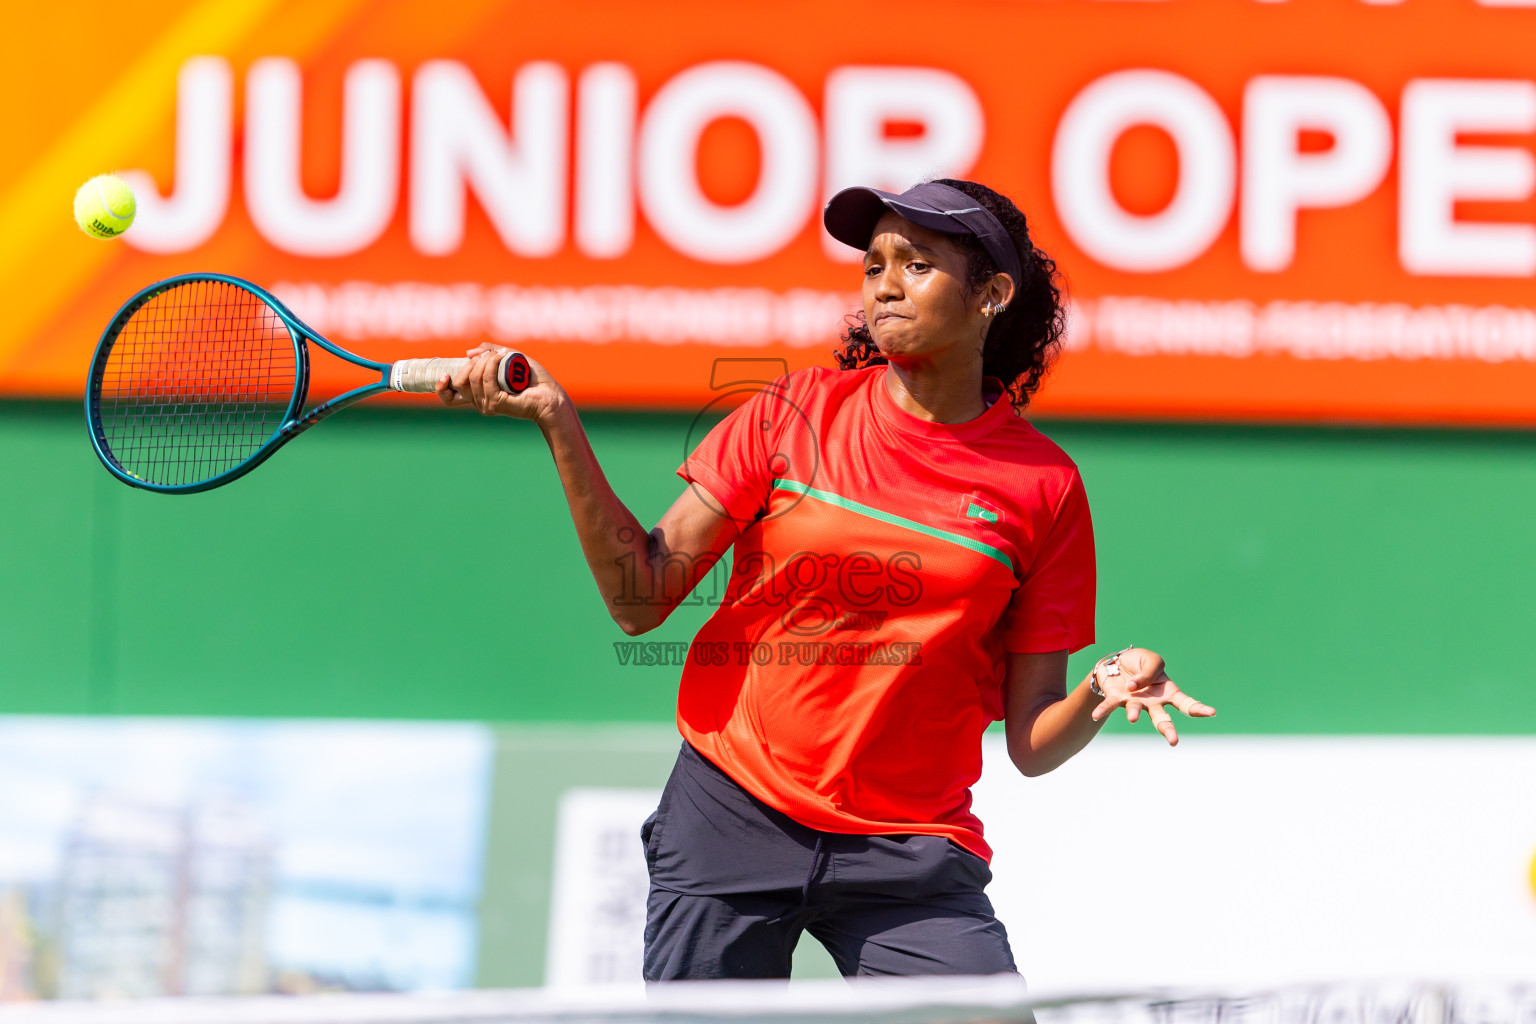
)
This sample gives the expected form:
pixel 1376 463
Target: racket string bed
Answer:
pixel 196 382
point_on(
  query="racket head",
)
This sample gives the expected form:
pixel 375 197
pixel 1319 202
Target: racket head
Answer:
pixel 193 382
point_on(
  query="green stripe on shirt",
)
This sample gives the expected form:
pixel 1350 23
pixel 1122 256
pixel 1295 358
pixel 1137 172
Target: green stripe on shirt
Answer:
pixel 795 487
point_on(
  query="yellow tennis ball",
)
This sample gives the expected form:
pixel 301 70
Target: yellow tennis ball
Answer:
pixel 104 206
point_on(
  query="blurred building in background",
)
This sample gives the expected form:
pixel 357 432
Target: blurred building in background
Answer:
pixel 163 901
pixel 18 947
pixel 196 857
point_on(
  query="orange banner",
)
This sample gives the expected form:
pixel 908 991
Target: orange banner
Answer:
pixel 1304 209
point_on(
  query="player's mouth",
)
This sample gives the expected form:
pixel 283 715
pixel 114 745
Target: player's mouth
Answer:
pixel 888 315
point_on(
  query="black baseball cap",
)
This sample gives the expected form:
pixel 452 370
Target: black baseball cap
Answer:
pixel 852 214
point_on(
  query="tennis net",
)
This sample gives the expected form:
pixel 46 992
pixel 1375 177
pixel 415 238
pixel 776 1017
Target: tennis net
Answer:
pixel 994 1000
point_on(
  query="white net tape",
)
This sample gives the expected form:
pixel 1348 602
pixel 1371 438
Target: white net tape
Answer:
pixel 1003 1000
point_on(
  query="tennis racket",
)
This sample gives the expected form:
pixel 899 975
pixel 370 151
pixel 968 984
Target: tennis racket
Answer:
pixel 200 378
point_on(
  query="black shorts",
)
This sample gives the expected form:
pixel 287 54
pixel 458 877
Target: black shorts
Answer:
pixel 735 882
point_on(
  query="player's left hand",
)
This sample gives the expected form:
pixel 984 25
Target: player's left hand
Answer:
pixel 1142 684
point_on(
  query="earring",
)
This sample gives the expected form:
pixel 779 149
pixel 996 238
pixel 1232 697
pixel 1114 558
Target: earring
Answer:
pixel 988 310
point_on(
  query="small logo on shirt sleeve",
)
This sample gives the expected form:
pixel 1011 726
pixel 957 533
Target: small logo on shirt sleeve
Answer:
pixel 975 508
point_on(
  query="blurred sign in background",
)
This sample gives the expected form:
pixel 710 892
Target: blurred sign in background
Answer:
pixel 1316 209
pixel 1297 214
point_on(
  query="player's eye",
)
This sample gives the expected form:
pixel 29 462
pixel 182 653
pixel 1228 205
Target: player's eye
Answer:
pixel 873 270
pixel 919 267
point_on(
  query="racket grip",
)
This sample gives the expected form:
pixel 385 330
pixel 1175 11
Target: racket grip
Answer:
pixel 420 376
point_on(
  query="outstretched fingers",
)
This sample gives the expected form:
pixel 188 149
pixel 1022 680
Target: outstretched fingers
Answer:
pixel 1164 723
pixel 1191 707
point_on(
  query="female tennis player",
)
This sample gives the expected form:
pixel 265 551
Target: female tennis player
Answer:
pixel 913 560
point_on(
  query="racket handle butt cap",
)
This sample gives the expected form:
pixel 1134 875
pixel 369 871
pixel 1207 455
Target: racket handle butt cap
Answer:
pixel 513 374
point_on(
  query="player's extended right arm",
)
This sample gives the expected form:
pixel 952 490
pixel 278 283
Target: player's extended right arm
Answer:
pixel 641 575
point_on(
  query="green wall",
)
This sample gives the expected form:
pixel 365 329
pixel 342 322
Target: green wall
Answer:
pixel 419 564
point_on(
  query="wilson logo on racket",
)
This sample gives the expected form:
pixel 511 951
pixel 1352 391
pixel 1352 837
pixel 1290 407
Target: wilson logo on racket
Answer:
pixel 200 378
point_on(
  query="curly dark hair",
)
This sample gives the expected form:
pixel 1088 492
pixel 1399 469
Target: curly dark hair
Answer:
pixel 1024 339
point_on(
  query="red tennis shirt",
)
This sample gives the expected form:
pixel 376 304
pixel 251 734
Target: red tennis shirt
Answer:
pixel 886 567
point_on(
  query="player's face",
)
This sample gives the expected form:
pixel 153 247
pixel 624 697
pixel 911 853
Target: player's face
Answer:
pixel 915 297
